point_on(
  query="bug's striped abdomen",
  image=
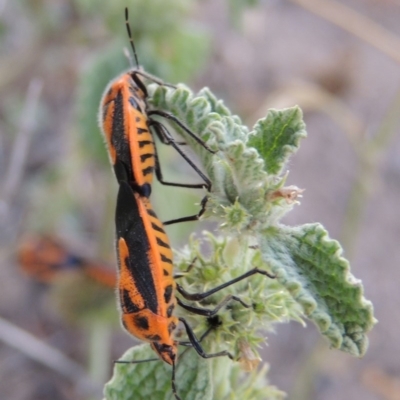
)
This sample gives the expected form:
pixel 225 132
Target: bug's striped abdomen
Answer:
pixel 146 285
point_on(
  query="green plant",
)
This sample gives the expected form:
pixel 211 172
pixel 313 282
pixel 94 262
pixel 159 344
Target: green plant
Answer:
pixel 248 199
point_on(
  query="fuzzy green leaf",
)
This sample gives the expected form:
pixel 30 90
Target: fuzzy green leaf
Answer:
pixel 152 379
pixel 231 384
pixel 277 136
pixel 249 198
pixel 237 171
pixel 309 264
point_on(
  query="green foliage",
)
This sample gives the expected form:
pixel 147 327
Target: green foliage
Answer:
pixel 311 267
pixel 238 170
pixel 230 383
pixel 196 378
pixel 229 258
pixel 277 136
pixel 153 379
pixel 248 198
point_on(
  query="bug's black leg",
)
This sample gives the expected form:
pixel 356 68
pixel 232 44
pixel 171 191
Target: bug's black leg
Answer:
pixel 174 391
pixel 194 217
pixel 181 125
pixel 197 346
pixel 135 361
pixel 201 296
pixel 208 312
pixel 189 268
pixel 162 132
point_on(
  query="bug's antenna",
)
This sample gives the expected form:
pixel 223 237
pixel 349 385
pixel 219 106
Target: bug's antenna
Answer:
pixel 128 28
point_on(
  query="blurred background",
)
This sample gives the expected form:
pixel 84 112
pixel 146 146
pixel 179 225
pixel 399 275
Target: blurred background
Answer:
pixel 338 60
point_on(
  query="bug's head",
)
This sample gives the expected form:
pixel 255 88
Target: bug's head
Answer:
pixel 165 346
pixel 137 86
pixel 167 352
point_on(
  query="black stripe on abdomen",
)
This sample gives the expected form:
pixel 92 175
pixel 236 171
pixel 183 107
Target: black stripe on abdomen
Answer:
pixel 130 227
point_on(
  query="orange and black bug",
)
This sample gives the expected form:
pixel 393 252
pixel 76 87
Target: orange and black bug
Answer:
pixel 44 258
pixel 128 125
pixel 146 284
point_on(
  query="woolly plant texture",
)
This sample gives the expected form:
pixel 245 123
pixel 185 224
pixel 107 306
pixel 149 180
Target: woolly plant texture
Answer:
pixel 248 198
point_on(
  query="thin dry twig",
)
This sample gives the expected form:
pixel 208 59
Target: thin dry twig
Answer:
pixel 359 25
pixel 46 355
pixel 22 142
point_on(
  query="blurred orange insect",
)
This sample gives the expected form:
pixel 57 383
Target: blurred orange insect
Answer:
pixel 43 258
